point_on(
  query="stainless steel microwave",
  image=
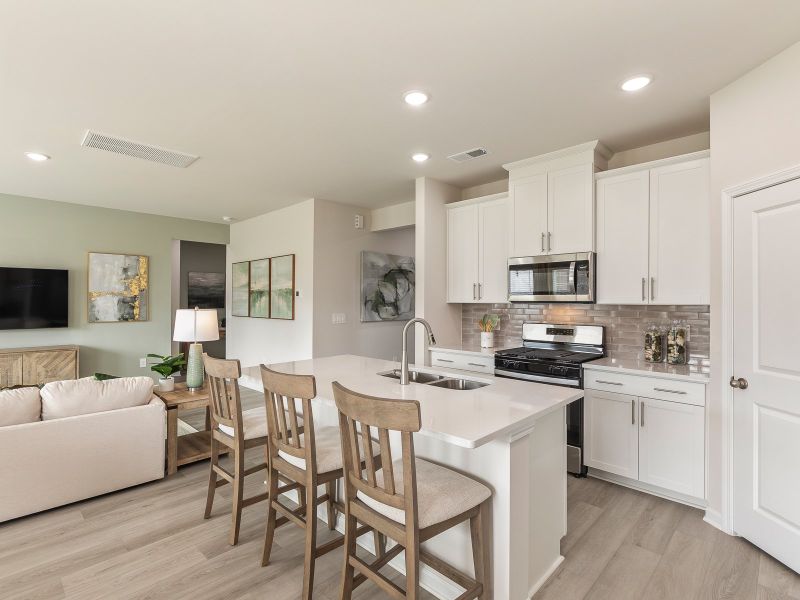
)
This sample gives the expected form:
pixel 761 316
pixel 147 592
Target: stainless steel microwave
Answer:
pixel 553 278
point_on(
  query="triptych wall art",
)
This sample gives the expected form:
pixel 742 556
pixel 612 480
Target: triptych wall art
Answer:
pixel 263 288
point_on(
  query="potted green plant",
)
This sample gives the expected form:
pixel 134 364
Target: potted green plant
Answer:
pixel 487 325
pixel 166 367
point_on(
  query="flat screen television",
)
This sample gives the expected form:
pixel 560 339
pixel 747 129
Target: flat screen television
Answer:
pixel 33 298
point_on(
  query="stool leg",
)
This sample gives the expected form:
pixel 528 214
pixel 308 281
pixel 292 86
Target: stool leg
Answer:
pixel 212 477
pixel 330 488
pixel 271 516
pixel 350 526
pixel 412 566
pixel 238 494
pixel 477 526
pixel 311 541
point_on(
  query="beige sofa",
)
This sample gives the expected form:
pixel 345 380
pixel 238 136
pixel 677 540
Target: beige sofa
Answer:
pixel 77 439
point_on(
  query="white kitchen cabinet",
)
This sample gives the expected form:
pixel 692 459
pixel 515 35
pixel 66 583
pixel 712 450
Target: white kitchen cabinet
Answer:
pixel 611 436
pixel 652 233
pixel 477 250
pixel 570 210
pixel 672 446
pixel 552 200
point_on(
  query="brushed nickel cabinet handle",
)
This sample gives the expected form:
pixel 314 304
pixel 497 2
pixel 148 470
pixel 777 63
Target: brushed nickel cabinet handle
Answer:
pixel 543 241
pixel 475 364
pixel 641 414
pixel 633 411
pixel 480 291
pixel 474 294
pixel 669 391
pixel 644 293
pixel 549 245
pixel 444 360
pixel 609 382
pixel 652 288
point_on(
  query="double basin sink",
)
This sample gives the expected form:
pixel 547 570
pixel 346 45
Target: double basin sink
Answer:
pixel 442 381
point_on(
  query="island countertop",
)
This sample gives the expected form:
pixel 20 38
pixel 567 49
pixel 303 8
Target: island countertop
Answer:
pixel 468 418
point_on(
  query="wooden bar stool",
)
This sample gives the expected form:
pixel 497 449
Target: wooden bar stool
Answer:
pixel 410 500
pixel 235 429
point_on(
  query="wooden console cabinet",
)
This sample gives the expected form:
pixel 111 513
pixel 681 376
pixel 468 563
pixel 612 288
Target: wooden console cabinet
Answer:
pixel 35 366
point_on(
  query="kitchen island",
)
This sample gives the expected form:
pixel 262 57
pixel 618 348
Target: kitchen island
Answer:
pixel 509 434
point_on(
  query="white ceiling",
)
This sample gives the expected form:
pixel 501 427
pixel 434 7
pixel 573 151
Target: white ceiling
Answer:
pixel 285 101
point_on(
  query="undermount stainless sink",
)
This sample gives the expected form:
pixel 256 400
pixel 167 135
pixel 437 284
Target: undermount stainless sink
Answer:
pixel 459 384
pixel 414 376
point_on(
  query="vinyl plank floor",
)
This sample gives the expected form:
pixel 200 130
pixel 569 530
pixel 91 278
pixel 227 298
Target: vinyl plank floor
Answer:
pixel 152 543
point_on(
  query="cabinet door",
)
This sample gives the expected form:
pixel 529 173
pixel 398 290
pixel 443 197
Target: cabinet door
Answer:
pixel 610 433
pixel 45 366
pixel 680 250
pixel 529 215
pixel 10 370
pixel 672 446
pixel 493 255
pixel 570 210
pixel 462 254
pixel 622 238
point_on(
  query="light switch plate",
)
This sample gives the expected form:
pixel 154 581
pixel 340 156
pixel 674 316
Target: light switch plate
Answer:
pixel 142 363
pixel 338 318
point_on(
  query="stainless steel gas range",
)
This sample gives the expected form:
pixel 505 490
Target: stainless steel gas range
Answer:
pixel 555 354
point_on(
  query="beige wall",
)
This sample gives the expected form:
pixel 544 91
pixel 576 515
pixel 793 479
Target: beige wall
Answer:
pixel 286 231
pixel 666 149
pixel 755 130
pixel 47 234
pixel 337 276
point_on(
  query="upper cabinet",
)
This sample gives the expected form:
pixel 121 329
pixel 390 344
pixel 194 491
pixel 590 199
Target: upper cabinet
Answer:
pixel 477 250
pixel 552 201
pixel 652 233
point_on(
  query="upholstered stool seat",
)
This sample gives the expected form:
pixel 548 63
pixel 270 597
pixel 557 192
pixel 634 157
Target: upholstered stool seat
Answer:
pixel 441 494
pixel 328 446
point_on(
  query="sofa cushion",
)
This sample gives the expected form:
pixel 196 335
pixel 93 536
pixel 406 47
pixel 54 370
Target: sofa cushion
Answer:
pixel 20 405
pixel 84 396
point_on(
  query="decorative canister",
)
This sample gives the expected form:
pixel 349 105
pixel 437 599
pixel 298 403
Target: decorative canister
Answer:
pixel 654 344
pixel 487 339
pixel 677 341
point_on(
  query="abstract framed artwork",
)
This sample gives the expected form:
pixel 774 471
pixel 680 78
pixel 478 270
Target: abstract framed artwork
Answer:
pixel 205 290
pixel 259 288
pixel 117 288
pixel 240 289
pixel 282 287
pixel 387 287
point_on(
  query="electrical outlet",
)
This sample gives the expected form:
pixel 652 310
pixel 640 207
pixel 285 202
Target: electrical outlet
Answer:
pixel 143 363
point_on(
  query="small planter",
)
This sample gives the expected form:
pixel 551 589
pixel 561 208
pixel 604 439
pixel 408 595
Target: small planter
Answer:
pixel 166 384
pixel 487 339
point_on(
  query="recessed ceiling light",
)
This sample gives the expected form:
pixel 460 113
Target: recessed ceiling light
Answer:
pixel 634 84
pixel 415 98
pixel 420 157
pixel 228 219
pixel 37 156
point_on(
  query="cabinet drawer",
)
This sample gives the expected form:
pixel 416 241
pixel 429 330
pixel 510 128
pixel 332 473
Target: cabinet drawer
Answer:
pixel 684 392
pixel 464 362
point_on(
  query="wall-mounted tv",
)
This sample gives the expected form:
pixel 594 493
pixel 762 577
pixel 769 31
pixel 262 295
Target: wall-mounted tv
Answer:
pixel 33 298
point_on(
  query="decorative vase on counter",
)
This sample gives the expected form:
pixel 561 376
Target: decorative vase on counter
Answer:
pixel 487 339
pixel 654 344
pixel 166 384
pixel 677 344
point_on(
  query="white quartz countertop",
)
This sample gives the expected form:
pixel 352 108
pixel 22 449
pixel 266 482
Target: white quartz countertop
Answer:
pixel 469 418
pixel 695 373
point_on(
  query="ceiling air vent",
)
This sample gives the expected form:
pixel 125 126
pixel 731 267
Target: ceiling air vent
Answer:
pixel 468 155
pixel 111 143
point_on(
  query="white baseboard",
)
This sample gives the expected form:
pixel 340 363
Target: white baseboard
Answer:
pixel 649 489
pixel 714 518
pixel 543 579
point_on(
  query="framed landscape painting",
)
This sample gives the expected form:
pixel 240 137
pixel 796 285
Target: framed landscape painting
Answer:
pixel 240 289
pixel 205 290
pixel 282 287
pixel 259 288
pixel 118 286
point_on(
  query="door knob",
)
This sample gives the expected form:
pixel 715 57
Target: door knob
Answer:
pixel 740 383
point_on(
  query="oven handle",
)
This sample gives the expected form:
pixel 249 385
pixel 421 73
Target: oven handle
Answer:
pixel 543 379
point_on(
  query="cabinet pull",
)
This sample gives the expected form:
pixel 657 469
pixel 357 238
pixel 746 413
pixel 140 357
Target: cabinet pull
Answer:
pixel 641 414
pixel 543 241
pixel 652 288
pixel 609 382
pixel 633 411
pixel 444 360
pixel 549 247
pixel 644 293
pixel 669 391
pixel 475 364
pixel 474 294
pixel 480 291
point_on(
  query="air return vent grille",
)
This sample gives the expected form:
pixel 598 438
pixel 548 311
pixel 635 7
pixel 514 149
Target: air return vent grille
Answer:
pixel 111 143
pixel 468 155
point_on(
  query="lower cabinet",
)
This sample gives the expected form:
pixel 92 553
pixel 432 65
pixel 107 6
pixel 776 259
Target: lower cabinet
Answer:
pixel 652 441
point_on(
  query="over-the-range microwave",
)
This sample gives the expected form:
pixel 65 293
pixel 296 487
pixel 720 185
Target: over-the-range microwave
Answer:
pixel 553 278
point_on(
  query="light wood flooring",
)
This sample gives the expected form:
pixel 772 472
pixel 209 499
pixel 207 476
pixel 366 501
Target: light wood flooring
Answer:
pixel 151 542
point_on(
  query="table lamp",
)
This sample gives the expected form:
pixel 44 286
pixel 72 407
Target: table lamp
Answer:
pixel 195 325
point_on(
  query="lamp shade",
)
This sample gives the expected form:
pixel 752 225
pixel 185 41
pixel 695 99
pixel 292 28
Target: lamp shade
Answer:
pixel 196 325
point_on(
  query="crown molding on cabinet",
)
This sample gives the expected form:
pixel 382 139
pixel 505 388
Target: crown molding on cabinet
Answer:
pixel 595 146
pixel 653 164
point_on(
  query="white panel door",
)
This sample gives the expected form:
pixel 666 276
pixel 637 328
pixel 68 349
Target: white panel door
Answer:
pixel 611 437
pixel 493 250
pixel 672 446
pixel 570 210
pixel 622 238
pixel 529 215
pixel 766 444
pixel 462 254
pixel 680 248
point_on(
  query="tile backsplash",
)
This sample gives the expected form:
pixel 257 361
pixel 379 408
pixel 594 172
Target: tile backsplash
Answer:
pixel 625 324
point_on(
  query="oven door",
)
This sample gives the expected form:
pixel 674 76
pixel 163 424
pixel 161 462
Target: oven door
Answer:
pixel 554 278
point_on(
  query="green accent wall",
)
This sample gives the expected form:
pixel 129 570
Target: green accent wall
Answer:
pixel 45 234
